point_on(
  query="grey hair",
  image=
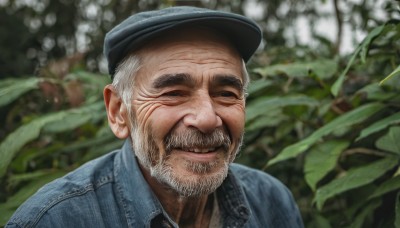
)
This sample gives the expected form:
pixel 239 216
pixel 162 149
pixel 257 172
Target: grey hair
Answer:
pixel 246 78
pixel 124 78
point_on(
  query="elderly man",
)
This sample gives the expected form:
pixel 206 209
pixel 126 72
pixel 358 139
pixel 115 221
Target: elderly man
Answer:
pixel 178 97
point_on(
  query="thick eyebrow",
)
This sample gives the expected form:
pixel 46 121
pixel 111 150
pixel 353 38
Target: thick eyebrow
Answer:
pixel 167 80
pixel 228 80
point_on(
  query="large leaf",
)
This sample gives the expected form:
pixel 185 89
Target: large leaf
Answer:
pixel 388 186
pixel 390 141
pixel 321 160
pixel 263 105
pixel 348 119
pixel 321 68
pixel 74 120
pixel 363 49
pixel 26 133
pixel 379 125
pixel 68 122
pixel 12 89
pixel 354 178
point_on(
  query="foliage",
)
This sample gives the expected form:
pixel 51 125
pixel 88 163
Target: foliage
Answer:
pixel 35 32
pixel 337 144
pixel 45 146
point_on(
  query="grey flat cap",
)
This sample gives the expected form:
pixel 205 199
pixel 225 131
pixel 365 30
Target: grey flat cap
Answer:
pixel 133 32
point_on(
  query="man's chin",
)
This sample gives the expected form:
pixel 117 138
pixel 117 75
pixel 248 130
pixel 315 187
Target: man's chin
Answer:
pixel 200 180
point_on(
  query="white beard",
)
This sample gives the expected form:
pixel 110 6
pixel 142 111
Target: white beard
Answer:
pixel 202 182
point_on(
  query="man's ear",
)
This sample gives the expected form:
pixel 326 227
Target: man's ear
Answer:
pixel 116 112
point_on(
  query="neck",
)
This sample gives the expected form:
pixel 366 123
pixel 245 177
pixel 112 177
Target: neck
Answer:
pixel 189 212
pixel 185 211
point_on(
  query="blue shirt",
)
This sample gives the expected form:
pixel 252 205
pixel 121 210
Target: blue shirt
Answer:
pixel 111 192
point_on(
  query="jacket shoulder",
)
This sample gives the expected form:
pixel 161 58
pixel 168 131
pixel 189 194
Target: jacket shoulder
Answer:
pixel 254 178
pixel 270 201
pixel 57 195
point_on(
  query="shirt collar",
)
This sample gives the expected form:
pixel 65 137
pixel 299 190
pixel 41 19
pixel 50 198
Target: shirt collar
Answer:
pixel 232 202
pixel 136 198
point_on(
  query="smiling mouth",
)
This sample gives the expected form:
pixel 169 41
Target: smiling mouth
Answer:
pixel 199 150
pixel 198 154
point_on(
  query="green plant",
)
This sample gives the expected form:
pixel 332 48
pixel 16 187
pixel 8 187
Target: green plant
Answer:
pixel 326 126
pixel 336 147
pixel 54 125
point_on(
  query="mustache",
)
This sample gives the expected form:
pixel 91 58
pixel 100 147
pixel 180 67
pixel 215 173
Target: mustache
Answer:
pixel 194 138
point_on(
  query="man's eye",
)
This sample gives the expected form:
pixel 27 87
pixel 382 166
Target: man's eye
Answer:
pixel 175 93
pixel 227 94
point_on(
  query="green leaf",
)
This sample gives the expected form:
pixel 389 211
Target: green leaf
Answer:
pixel 366 211
pixel 354 178
pixel 5 215
pixel 89 78
pixel 12 89
pixel 395 72
pixel 322 69
pixel 69 122
pixel 348 119
pixel 269 119
pixel 106 147
pixel 16 178
pixel 379 125
pixel 26 133
pixel 391 141
pixel 73 120
pixel 264 105
pixel 15 141
pixel 89 143
pixel 319 221
pixel 363 49
pixel 93 84
pixel 321 160
pixel 397 212
pixel 377 93
pixel 386 187
pixel 258 85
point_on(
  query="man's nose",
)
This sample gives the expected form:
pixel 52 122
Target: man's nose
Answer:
pixel 202 115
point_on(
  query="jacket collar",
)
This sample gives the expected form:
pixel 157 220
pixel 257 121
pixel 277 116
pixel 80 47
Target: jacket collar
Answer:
pixel 136 198
pixel 232 202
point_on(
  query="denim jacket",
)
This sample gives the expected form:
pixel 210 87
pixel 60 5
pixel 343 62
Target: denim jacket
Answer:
pixel 111 192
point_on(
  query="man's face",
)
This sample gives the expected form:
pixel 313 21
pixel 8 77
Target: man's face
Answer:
pixel 188 111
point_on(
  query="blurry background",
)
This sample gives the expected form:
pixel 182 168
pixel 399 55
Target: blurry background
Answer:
pixel 33 32
pixel 317 117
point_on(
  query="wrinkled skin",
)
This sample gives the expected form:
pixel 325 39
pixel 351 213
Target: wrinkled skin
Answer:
pixel 189 87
